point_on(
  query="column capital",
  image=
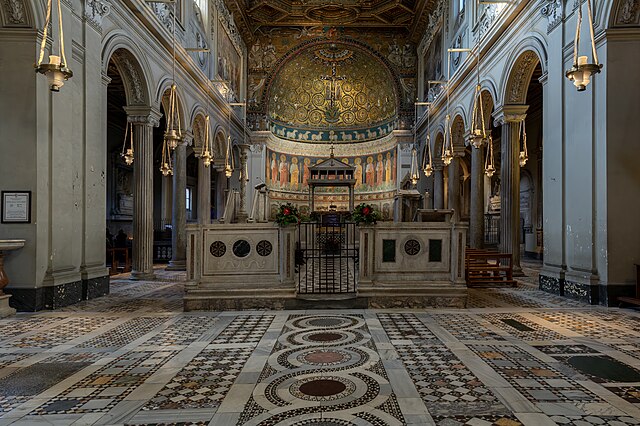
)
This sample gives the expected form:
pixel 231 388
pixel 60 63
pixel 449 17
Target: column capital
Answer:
pixel 144 115
pixel 187 138
pixel 510 114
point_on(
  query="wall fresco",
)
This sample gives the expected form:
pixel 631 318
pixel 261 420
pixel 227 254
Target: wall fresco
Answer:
pixel 229 60
pixel 374 173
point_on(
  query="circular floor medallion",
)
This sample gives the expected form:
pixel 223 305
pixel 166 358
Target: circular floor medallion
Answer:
pixel 322 357
pixel 322 388
pixel 326 322
pixel 325 337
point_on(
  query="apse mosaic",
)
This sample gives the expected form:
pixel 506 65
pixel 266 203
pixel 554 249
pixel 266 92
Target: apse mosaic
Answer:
pixel 373 173
pixel 333 86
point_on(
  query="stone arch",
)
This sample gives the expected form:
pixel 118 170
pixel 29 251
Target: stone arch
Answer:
pixel 198 127
pixel 528 54
pixel 219 145
pixel 162 99
pixel 488 96
pixel 21 14
pixel 457 132
pixel 134 72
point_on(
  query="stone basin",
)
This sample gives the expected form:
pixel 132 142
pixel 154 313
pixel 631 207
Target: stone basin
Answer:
pixel 6 245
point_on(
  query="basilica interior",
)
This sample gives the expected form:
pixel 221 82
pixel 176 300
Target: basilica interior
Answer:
pixel 319 213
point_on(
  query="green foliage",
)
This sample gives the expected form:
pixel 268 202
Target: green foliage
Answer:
pixel 288 214
pixel 365 214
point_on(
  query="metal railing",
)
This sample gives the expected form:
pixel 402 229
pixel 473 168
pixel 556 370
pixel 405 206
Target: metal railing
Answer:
pixel 491 229
pixel 327 258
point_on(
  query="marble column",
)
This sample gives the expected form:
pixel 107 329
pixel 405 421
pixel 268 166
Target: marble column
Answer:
pixel 144 120
pixel 510 117
pixel 454 186
pixel 178 260
pixel 204 193
pixel 438 187
pixel 476 214
pixel 244 178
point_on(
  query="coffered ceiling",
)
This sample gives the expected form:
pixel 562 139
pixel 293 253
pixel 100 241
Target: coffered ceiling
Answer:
pixel 408 15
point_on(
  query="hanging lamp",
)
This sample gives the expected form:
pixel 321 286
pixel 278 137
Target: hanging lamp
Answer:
pixel 489 165
pixel 127 153
pixel 206 146
pixel 447 146
pixel 524 155
pixel 173 133
pixel 414 174
pixel 478 132
pixel 56 69
pixel 582 70
pixel 166 167
pixel 428 161
pixel 228 161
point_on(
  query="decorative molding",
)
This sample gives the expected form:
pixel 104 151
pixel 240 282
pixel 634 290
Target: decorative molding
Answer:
pixel 143 115
pixel 164 13
pixel 226 18
pixel 519 79
pixel 486 21
pixel 552 10
pixel 95 11
pixel 628 13
pixel 15 13
pixel 435 18
pixel 135 85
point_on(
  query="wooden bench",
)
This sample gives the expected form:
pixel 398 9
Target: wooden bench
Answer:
pixel 485 268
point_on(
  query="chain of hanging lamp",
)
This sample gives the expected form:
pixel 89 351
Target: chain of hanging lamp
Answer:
pixel 427 163
pixel 172 135
pixel 478 132
pixel 206 146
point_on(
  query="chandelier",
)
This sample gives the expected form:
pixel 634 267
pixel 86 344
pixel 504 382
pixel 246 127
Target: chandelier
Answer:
pixel 56 69
pixel 127 153
pixel 582 70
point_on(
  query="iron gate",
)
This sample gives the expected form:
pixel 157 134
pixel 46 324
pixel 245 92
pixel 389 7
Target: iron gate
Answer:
pixel 327 258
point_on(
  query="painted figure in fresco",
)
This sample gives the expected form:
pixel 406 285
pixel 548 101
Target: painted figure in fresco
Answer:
pixel 284 170
pixel 274 168
pixel 387 168
pixel 306 172
pixel 379 171
pixel 295 172
pixel 370 173
pixel 358 171
pixel 394 168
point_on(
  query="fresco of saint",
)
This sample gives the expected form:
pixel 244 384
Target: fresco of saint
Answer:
pixel 295 171
pixel 274 168
pixel 379 171
pixel 284 170
pixel 387 168
pixel 370 173
pixel 306 172
pixel 358 172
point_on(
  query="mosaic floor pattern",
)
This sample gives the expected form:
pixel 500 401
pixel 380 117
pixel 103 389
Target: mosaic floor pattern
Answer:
pixel 515 357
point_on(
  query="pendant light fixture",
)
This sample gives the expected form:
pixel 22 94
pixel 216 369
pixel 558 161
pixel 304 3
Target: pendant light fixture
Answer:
pixel 427 161
pixel 206 146
pixel 582 70
pixel 524 156
pixel 489 165
pixel 127 153
pixel 205 154
pixel 478 132
pixel 56 69
pixel 228 158
pixel 166 167
pixel 414 174
pixel 173 133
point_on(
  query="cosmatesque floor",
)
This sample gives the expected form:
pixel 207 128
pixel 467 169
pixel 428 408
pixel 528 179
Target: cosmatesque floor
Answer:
pixel 515 356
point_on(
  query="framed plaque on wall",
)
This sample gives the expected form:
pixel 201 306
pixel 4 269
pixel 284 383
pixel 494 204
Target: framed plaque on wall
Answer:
pixel 16 206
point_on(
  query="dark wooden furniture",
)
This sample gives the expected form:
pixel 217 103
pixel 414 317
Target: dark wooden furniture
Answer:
pixel 484 268
pixel 116 254
pixel 632 300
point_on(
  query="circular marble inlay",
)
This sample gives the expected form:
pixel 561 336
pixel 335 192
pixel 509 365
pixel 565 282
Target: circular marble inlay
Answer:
pixel 241 248
pixel 326 322
pixel 412 247
pixel 218 248
pixel 325 337
pixel 323 422
pixel 264 248
pixel 322 388
pixel 325 357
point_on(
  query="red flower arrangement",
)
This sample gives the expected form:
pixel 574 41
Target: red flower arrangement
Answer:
pixel 287 214
pixel 365 213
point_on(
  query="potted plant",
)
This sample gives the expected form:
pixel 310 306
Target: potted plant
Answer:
pixel 288 214
pixel 365 214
